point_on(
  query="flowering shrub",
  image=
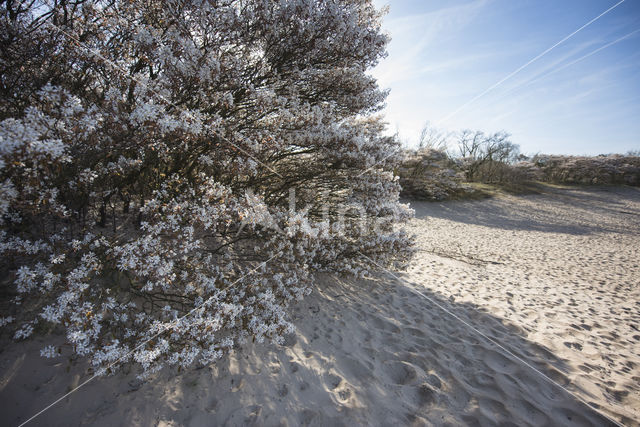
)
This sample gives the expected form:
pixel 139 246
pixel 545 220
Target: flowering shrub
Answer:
pixel 173 173
pixel 430 174
pixel 609 169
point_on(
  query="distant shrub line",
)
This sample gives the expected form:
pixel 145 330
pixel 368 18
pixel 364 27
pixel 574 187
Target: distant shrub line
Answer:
pixel 434 174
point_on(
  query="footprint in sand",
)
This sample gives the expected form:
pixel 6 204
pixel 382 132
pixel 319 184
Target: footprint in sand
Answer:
pixel 344 395
pixel 332 380
pixel 425 395
pixel 400 372
pixel 573 345
pixel 283 390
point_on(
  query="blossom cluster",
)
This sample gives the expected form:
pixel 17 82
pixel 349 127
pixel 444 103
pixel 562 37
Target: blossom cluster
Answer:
pixel 148 154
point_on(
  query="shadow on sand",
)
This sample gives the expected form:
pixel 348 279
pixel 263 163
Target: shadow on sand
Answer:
pixel 366 352
pixel 619 207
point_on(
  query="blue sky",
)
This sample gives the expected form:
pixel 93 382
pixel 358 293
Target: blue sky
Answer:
pixel 575 99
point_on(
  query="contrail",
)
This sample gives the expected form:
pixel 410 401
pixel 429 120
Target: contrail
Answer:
pixel 544 76
pixel 495 85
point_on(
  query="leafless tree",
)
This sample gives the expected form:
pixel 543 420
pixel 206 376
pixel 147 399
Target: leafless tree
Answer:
pixel 432 137
pixel 484 154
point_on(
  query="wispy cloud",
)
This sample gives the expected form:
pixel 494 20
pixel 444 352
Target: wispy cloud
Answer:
pixel 560 64
pixel 531 61
pixel 412 36
pixel 441 56
pixel 456 63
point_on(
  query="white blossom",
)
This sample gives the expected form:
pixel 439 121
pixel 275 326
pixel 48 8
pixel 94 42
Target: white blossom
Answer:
pixel 49 352
pixel 145 202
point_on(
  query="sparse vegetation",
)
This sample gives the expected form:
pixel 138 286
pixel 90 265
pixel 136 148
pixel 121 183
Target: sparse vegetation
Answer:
pixel 472 164
pixel 605 169
pixel 432 175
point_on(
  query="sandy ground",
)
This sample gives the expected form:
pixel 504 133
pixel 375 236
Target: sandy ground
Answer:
pixel 550 280
pixel 564 268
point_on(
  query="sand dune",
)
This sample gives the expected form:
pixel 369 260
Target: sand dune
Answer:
pixel 551 278
pixel 563 268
